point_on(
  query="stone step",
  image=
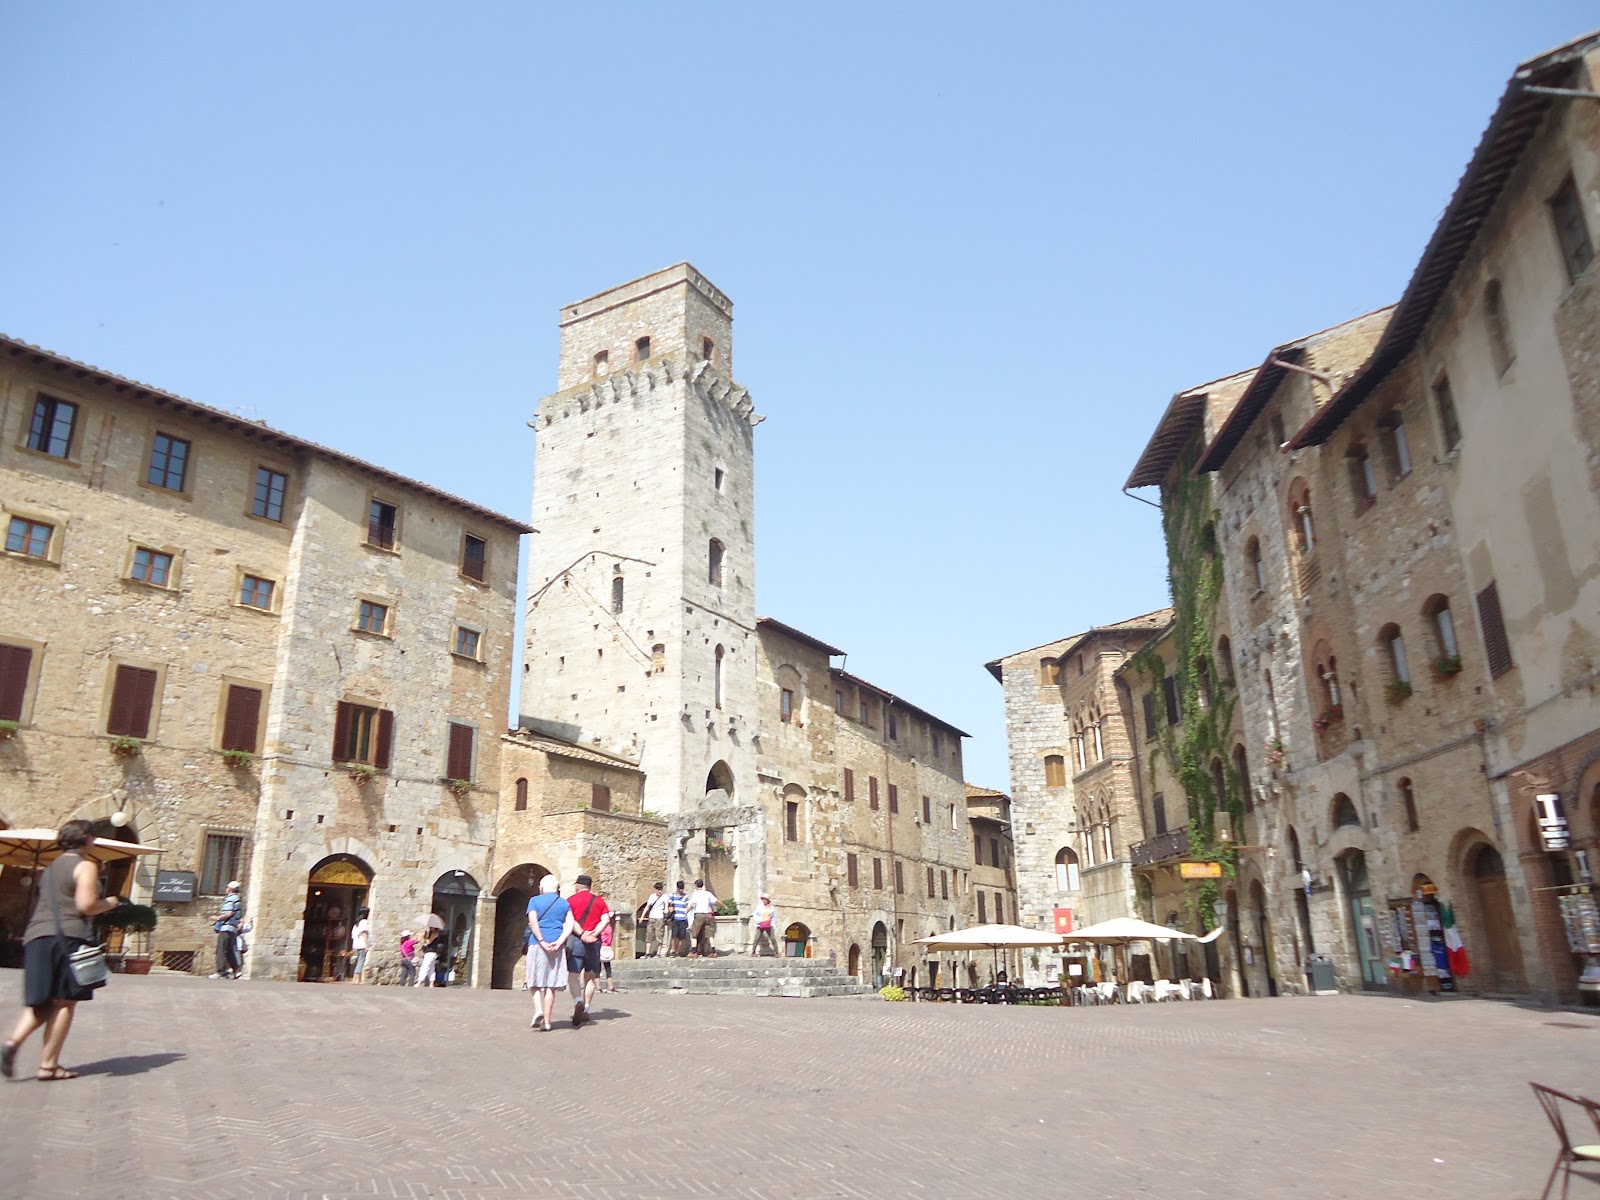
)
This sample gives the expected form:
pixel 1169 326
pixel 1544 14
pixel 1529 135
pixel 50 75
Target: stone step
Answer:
pixel 740 975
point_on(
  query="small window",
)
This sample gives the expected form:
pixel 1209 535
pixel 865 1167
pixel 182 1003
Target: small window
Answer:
pixel 658 658
pixel 716 676
pixel 894 798
pixel 618 588
pixel 602 361
pixel 717 477
pixel 255 592
pixel 791 821
pixel 1241 768
pixel 600 797
pixel 1258 570
pixel 1396 446
pixel 1169 688
pixel 983 909
pixel 1363 480
pixel 852 868
pixel 952 817
pixel 1344 812
pixel 708 350
pixel 1393 642
pixel 382 520
pixel 877 873
pixel 50 431
pixel 267 500
pixel 151 566
pixel 785 705
pixel 1495 323
pixel 220 862
pixel 1408 798
pixel 714 556
pixel 641 349
pixel 362 734
pixel 133 694
pixel 849 784
pixel 169 463
pixel 1444 403
pixel 15 664
pixel 1437 610
pixel 929 871
pixel 1055 771
pixel 1572 231
pixel 927 811
pixel 1496 647
pixel 372 617
pixel 1279 437
pixel 1225 658
pixel 899 877
pixel 467 642
pixel 894 727
pixel 1049 672
pixel 29 538
pixel 1148 702
pixel 1305 525
pixel 474 557
pixel 521 802
pixel 872 792
pixel 1066 870
pixel 838 702
pixel 1158 806
pixel 241 719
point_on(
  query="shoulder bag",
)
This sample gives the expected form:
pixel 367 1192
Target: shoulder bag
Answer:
pixel 87 963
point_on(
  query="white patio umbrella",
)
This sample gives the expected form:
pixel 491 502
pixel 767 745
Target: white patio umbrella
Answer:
pixel 1121 931
pixel 992 937
pixel 31 849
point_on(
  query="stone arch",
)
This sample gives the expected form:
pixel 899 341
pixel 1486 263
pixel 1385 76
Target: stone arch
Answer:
pixel 790 680
pixel 337 886
pixel 1067 869
pixel 1342 812
pixel 1498 949
pixel 854 960
pixel 797 940
pixel 720 778
pixel 512 891
pixel 1584 810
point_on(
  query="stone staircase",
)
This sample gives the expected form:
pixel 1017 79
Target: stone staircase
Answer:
pixel 739 974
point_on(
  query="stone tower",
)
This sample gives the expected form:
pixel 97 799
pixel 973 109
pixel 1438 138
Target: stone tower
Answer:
pixel 641 608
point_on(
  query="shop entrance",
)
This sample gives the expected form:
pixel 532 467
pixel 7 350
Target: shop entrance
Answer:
pixel 455 902
pixel 880 952
pixel 797 941
pixel 516 887
pixel 336 890
pixel 1488 874
pixel 1363 918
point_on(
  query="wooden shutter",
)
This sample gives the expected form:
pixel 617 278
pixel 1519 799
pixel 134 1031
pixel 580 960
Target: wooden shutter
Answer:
pixel 877 872
pixel 927 812
pixel 1150 715
pixel 459 765
pixel 930 882
pixel 983 911
pixel 132 695
pixel 241 719
pixel 600 797
pixel 1495 644
pixel 522 795
pixel 14 664
pixel 849 784
pixel 853 870
pixel 380 755
pixel 894 798
pixel 341 733
pixel 872 791
pixel 474 555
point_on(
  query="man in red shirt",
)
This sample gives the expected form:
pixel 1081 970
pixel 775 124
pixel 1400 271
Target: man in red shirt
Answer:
pixel 583 952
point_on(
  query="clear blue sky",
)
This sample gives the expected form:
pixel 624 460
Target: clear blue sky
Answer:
pixel 973 250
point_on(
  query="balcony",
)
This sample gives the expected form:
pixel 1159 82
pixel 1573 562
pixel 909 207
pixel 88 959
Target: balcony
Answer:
pixel 1172 844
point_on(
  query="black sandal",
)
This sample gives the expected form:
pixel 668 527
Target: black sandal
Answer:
pixel 8 1060
pixel 52 1074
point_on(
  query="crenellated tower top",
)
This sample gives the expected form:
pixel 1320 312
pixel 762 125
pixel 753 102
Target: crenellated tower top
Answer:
pixel 674 313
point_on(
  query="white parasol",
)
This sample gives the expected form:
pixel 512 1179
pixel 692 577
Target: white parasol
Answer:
pixel 31 849
pixel 992 937
pixel 430 920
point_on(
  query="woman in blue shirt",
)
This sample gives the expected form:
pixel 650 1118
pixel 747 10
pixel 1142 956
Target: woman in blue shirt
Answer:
pixel 550 923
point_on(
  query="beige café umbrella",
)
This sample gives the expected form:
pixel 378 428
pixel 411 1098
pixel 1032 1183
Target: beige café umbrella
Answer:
pixel 1120 931
pixel 30 849
pixel 992 937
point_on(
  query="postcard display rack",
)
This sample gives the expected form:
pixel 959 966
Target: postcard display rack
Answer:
pixel 1418 961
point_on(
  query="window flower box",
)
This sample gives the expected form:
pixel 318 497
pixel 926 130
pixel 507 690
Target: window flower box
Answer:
pixel 1398 691
pixel 1329 718
pixel 1447 665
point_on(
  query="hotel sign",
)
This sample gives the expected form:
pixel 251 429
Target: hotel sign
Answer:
pixel 1553 830
pixel 174 887
pixel 1200 870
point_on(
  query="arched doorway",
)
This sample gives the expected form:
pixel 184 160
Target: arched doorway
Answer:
pixel 855 960
pixel 336 890
pixel 720 779
pixel 1363 917
pixel 516 887
pixel 1487 871
pixel 116 877
pixel 797 941
pixel 455 901
pixel 1258 901
pixel 1236 936
pixel 880 952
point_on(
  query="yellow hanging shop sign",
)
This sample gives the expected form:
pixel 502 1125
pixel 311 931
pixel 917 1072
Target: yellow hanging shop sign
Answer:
pixel 1195 870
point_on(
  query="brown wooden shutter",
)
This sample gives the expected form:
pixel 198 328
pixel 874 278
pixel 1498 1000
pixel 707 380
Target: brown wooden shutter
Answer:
pixel 853 869
pixel 14 664
pixel 877 873
pixel 380 757
pixel 132 695
pixel 849 784
pixel 894 798
pixel 872 791
pixel 473 558
pixel 1495 644
pixel 341 733
pixel 600 797
pixel 460 758
pixel 241 720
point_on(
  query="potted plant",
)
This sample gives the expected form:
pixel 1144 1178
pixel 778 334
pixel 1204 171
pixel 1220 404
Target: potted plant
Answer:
pixel 891 993
pixel 240 759
pixel 362 772
pixel 138 920
pixel 728 908
pixel 8 730
pixel 458 787
pixel 1398 691
pixel 1330 717
pixel 126 747
pixel 1275 753
pixel 1447 665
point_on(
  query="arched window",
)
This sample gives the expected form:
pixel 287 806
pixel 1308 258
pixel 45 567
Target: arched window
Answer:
pixel 1066 870
pixel 1499 329
pixel 1294 850
pixel 1344 812
pixel 658 658
pixel 1099 745
pixel 1088 843
pixel 1397 447
pixel 1225 658
pixel 1409 799
pixel 1394 647
pixel 1219 781
pixel 1300 517
pixel 1448 653
pixel 1049 672
pixel 1055 771
pixel 1202 676
pixel 522 795
pixel 616 593
pixel 1363 480
pixel 714 563
pixel 1241 768
pixel 1258 570
pixel 1272 707
pixel 641 349
pixel 717 678
pixel 1108 841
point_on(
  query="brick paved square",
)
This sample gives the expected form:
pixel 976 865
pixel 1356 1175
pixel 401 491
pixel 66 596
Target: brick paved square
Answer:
pixel 195 1088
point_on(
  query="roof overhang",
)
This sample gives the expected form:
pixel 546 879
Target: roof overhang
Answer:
pixel 789 631
pixel 896 701
pixel 1177 426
